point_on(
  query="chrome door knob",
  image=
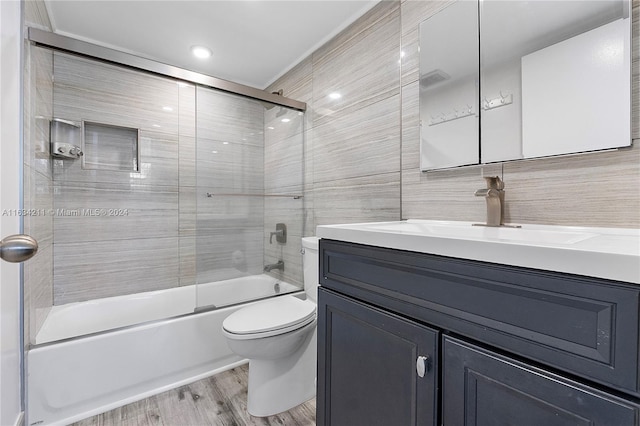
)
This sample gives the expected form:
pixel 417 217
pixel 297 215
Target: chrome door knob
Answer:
pixel 18 248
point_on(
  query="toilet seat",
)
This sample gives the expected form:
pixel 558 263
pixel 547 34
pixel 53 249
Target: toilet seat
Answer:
pixel 269 318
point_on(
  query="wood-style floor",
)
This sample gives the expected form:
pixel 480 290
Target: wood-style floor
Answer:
pixel 220 400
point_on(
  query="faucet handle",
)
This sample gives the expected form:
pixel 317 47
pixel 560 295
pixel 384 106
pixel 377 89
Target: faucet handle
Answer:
pixel 494 182
pixel 280 233
pixel 487 192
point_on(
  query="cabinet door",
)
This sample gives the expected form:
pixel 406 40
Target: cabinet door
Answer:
pixel 483 388
pixel 368 363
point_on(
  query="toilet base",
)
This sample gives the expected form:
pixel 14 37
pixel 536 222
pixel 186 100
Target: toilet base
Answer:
pixel 277 385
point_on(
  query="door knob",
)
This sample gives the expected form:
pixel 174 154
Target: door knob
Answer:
pixel 18 248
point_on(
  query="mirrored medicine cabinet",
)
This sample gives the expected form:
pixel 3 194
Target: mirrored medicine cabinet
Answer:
pixel 508 80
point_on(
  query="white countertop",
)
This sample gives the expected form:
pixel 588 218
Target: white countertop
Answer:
pixel 612 253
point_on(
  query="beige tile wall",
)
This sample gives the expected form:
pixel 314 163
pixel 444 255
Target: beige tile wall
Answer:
pixel 363 151
pixel 352 144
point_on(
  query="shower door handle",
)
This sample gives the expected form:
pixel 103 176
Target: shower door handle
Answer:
pixel 18 248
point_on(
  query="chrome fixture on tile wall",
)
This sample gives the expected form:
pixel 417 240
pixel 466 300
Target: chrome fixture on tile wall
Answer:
pixel 66 136
pixel 280 233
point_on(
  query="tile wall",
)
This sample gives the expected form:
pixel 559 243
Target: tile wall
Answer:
pixel 133 247
pixel 38 179
pixel 363 148
pixel 230 165
pixel 352 142
pixel 284 187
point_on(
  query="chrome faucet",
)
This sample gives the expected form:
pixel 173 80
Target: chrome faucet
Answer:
pixel 279 265
pixel 494 195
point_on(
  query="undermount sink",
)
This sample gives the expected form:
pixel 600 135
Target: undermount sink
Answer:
pixel 468 231
pixel 612 253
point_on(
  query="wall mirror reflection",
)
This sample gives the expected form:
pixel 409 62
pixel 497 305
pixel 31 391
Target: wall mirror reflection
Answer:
pixel 555 78
pixel 449 87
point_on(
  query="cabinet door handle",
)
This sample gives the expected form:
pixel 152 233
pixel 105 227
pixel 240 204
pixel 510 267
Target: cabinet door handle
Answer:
pixel 422 365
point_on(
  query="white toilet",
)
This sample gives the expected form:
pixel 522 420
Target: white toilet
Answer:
pixel 278 336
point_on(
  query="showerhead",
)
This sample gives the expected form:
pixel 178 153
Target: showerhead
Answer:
pixel 269 106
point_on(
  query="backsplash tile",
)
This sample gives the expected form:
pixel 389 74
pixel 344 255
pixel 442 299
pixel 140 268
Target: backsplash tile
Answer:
pixel 598 189
pixel 443 195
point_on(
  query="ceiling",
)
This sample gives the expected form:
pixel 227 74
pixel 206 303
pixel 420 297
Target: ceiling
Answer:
pixel 253 41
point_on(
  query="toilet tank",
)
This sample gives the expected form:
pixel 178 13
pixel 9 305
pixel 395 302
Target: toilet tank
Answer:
pixel 310 266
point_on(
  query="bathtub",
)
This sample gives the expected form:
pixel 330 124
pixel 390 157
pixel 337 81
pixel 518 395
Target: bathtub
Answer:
pixel 146 354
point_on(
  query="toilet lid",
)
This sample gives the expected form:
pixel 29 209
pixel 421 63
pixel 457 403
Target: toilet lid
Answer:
pixel 269 315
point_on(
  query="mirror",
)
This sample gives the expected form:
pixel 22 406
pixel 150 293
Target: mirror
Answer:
pixel 449 65
pixel 555 78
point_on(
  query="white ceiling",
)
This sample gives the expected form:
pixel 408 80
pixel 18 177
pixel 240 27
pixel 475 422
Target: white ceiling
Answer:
pixel 253 41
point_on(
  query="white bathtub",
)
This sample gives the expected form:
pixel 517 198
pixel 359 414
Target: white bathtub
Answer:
pixel 78 378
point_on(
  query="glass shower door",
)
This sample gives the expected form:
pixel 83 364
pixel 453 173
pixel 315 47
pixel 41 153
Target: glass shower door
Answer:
pixel 249 174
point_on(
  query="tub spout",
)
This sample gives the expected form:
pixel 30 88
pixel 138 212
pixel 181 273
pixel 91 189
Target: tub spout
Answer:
pixel 279 265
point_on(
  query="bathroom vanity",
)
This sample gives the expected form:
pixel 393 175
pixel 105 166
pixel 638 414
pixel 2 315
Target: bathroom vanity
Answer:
pixel 419 323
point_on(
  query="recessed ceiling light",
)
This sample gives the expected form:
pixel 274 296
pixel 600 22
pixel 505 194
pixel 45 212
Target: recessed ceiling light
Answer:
pixel 201 52
pixel 225 143
pixel 214 152
pixel 167 108
pixel 285 120
pixel 271 128
pixel 156 125
pixel 335 95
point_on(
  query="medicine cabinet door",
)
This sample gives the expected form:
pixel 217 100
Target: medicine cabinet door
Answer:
pixel 555 77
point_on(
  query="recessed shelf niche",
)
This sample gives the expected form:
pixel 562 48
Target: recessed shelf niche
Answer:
pixel 109 147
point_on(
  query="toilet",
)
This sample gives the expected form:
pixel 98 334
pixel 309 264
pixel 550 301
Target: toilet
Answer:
pixel 278 336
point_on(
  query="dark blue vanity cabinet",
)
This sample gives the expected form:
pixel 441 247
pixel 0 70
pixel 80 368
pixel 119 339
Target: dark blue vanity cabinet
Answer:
pixel 409 338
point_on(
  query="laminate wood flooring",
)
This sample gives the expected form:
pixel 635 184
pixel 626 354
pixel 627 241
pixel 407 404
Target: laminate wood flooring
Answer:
pixel 219 400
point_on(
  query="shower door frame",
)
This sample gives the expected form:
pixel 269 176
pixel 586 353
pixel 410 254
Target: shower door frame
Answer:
pixel 70 45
